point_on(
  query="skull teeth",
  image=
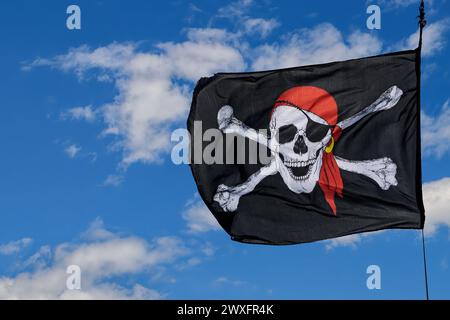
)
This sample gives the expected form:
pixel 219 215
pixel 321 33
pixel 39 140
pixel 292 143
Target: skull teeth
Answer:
pixel 296 163
pixel 300 178
pixel 292 164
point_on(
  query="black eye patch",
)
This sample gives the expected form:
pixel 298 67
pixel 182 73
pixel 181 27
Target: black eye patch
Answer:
pixel 316 131
pixel 286 133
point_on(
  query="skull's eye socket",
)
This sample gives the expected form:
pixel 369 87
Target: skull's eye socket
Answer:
pixel 316 131
pixel 287 133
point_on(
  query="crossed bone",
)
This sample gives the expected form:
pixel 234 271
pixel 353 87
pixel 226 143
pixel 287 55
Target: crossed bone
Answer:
pixel 382 171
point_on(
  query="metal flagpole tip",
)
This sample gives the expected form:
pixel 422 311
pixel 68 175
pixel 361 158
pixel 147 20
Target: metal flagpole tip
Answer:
pixel 422 20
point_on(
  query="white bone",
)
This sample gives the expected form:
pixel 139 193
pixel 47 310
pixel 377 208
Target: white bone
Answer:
pixel 387 100
pixel 228 197
pixel 382 170
pixel 229 124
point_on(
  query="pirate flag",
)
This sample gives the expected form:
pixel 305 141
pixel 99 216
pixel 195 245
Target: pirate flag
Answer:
pixel 340 149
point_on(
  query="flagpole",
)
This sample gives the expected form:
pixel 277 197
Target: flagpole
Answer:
pixel 422 24
pixel 425 265
pixel 422 21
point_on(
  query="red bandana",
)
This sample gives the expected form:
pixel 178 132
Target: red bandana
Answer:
pixel 322 104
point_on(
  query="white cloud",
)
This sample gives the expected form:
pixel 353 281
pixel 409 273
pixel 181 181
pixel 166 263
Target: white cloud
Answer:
pixel 228 282
pixel 211 35
pixel 434 38
pixel 428 70
pixel 39 259
pixel 236 9
pixel 323 43
pixel 100 261
pixel 199 219
pixel 352 240
pixel 202 56
pixel 80 113
pixel 208 250
pixel 437 201
pixel 436 132
pixel 237 12
pixel 113 180
pixel 150 96
pixel 97 231
pixel 82 59
pixel 15 246
pixel 260 26
pixel 72 150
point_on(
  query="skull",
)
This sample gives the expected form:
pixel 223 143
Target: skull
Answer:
pixel 299 138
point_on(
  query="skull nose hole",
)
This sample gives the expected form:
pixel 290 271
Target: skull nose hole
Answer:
pixel 300 146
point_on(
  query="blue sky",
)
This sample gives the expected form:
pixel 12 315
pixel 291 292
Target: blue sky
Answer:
pixel 86 176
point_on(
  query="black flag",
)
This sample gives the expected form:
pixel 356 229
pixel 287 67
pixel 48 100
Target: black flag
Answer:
pixel 342 141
